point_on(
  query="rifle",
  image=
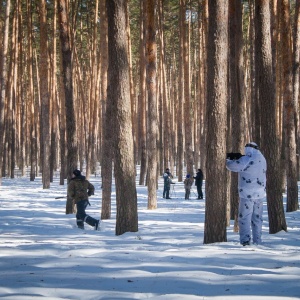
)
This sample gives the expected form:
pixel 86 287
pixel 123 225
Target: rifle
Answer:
pixel 233 156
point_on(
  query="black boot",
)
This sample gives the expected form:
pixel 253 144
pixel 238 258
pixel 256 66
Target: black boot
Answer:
pixel 97 225
pixel 80 224
pixel 168 195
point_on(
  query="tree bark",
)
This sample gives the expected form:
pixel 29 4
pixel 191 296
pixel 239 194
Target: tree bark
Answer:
pixel 45 98
pixel 118 92
pixel 142 95
pixel 3 83
pixel 188 118
pixel 180 127
pixel 107 146
pixel 204 103
pixel 217 61
pixel 236 96
pixel 152 104
pixel 93 109
pixel 30 96
pixel 289 108
pixel 68 91
pixel 62 127
pixel 54 98
pixel 269 142
pixel 296 78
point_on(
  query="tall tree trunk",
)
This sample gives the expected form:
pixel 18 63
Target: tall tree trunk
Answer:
pixel 289 108
pixel 180 128
pixel 44 92
pixel 204 96
pixel 31 96
pixel 236 95
pixel 107 146
pixel 166 115
pixel 255 127
pixel 37 118
pixel 22 93
pixel 118 92
pixel 200 93
pixel 217 60
pixel 90 163
pixel 54 97
pixel 296 78
pixel 132 90
pixel 152 104
pixel 68 91
pixel 270 145
pixel 12 95
pixel 173 100
pixel 188 118
pixel 3 83
pixel 142 95
pixel 255 104
pixel 62 127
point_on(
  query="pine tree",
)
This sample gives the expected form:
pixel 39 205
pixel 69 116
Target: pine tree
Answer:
pixel 118 92
pixel 217 59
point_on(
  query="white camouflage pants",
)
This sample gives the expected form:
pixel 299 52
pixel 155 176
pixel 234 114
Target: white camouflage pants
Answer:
pixel 250 217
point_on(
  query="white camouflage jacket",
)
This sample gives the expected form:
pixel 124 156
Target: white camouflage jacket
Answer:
pixel 252 169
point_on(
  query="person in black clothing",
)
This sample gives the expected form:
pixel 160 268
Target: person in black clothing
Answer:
pixel 167 181
pixel 198 182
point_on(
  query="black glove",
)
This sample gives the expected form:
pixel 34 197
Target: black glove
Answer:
pixel 90 193
pixel 233 156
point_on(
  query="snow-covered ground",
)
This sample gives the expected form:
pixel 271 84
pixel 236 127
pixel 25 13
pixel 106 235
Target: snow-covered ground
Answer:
pixel 44 256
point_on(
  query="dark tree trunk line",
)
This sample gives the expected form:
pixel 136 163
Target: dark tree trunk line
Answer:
pixel 152 103
pixel 289 108
pixel 269 141
pixel 237 97
pixel 217 57
pixel 296 76
pixel 68 92
pixel 142 95
pixel 3 84
pixel 44 95
pixel 107 146
pixel 118 92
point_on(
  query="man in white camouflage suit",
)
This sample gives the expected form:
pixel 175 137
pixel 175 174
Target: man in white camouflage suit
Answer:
pixel 252 169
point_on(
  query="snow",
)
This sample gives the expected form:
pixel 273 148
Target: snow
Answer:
pixel 44 256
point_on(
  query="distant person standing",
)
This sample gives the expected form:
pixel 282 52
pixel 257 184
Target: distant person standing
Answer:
pixel 198 182
pixel 252 169
pixel 167 183
pixel 188 182
pixel 79 189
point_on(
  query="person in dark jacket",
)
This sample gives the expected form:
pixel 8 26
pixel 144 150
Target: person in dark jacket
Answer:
pixel 79 189
pixel 198 182
pixel 167 183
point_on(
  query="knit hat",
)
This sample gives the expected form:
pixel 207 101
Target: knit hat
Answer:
pixel 76 173
pixel 252 144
